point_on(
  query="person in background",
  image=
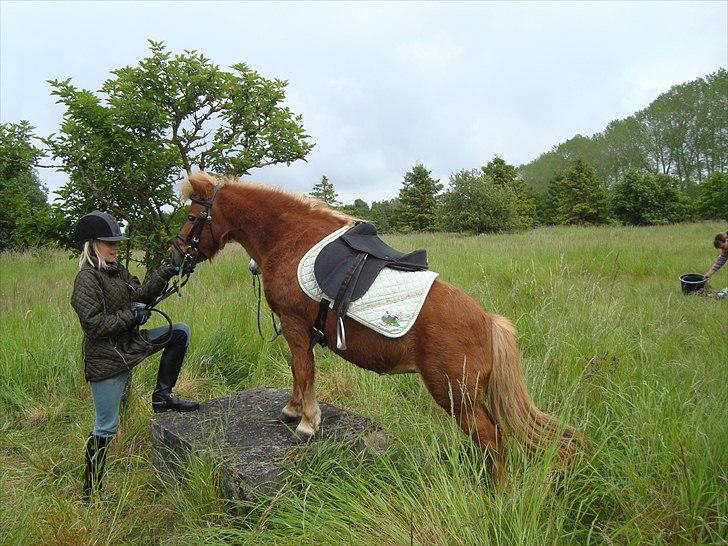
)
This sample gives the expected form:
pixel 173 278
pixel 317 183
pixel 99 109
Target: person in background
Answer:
pixel 110 303
pixel 721 243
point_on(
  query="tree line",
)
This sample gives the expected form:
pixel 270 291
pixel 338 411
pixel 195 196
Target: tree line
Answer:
pixel 494 198
pixel 125 146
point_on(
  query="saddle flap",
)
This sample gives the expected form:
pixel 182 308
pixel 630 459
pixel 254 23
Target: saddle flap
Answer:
pixel 332 265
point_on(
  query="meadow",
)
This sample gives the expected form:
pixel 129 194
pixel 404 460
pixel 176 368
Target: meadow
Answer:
pixel 609 344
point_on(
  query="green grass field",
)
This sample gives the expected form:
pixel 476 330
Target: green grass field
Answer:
pixel 609 344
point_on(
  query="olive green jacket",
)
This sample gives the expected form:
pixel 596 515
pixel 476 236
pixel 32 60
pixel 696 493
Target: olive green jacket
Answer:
pixel 112 341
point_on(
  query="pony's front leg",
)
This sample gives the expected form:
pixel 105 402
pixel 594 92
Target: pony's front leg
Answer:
pixel 303 397
pixel 292 411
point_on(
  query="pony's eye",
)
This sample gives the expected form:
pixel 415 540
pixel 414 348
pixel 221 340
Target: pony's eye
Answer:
pixel 191 218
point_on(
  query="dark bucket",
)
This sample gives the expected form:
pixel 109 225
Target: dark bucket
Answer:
pixel 692 282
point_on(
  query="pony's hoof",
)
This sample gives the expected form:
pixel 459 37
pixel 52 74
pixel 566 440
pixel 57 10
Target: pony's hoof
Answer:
pixel 303 435
pixel 286 417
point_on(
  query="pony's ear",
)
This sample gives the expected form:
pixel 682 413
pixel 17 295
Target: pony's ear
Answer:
pixel 199 184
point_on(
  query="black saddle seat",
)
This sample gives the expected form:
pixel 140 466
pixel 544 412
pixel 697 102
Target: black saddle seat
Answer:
pixel 334 264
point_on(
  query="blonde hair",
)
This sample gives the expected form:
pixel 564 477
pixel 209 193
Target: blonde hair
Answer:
pixel 88 252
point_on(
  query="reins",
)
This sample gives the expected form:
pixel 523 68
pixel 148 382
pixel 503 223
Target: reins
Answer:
pixel 152 307
pixel 276 328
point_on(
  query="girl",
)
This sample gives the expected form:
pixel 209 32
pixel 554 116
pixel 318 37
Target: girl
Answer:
pixel 106 298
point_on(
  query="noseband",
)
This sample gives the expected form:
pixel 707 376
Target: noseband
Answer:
pixel 192 240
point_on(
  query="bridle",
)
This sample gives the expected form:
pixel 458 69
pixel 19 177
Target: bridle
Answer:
pixel 192 254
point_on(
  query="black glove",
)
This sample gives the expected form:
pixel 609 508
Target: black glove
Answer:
pixel 189 268
pixel 141 314
pixel 169 271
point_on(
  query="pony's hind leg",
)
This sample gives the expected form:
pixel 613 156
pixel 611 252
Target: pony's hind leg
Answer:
pixel 477 422
pixel 303 398
pixel 463 396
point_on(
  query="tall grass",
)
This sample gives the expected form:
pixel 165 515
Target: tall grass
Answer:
pixel 609 344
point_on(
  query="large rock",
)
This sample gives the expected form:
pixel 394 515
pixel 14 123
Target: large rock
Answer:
pixel 244 432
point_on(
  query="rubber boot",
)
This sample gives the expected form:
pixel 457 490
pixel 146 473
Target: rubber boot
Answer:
pixel 96 447
pixel 169 366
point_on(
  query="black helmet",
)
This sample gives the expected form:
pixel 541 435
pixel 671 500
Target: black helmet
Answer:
pixel 97 225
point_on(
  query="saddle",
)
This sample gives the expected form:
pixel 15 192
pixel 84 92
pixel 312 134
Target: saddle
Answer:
pixel 346 268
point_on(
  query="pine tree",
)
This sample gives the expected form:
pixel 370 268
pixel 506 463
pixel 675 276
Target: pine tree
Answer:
pixel 581 197
pixel 324 191
pixel 417 195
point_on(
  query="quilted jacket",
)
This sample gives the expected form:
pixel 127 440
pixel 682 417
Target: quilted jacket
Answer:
pixel 112 341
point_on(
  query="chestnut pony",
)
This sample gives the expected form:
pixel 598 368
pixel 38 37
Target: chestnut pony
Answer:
pixel 471 368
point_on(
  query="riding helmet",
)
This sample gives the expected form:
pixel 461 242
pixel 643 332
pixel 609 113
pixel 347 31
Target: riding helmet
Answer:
pixel 97 225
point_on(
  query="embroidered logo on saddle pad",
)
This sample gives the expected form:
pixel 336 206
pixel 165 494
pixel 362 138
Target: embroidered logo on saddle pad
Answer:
pixel 390 306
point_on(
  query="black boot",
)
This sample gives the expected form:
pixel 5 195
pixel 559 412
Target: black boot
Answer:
pixel 96 447
pixel 169 367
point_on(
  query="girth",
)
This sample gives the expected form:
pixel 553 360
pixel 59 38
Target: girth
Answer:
pixel 346 268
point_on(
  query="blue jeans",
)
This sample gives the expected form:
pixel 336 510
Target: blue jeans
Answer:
pixel 107 393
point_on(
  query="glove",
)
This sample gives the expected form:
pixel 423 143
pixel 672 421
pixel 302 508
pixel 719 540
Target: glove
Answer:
pixel 141 314
pixel 189 268
pixel 169 271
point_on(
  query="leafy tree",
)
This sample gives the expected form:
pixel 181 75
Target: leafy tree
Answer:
pixel 713 122
pixel 324 190
pixel 649 199
pixel 712 201
pixel 504 175
pixel 387 215
pixel 418 199
pixel 359 209
pixel 125 149
pixel 539 172
pixel 27 218
pixel 580 197
pixel 475 203
pixel 622 150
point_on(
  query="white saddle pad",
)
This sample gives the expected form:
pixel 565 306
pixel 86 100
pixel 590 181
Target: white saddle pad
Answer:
pixel 391 304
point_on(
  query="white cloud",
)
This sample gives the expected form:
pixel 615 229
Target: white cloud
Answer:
pixel 431 55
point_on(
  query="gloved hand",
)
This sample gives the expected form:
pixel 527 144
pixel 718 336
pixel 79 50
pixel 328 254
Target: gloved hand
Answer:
pixel 169 271
pixel 141 314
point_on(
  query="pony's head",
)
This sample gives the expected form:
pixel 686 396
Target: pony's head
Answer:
pixel 196 240
pixel 212 222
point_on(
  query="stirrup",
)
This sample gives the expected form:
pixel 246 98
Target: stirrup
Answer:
pixel 340 335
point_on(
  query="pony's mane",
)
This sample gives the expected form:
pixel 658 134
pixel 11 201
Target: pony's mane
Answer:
pixel 187 190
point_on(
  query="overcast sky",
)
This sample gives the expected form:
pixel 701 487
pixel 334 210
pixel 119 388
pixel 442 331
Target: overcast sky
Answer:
pixel 382 86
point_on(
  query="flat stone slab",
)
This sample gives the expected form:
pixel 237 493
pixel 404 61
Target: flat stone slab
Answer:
pixel 245 433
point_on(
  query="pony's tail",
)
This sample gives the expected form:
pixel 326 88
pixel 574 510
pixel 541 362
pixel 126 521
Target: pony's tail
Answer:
pixel 511 405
